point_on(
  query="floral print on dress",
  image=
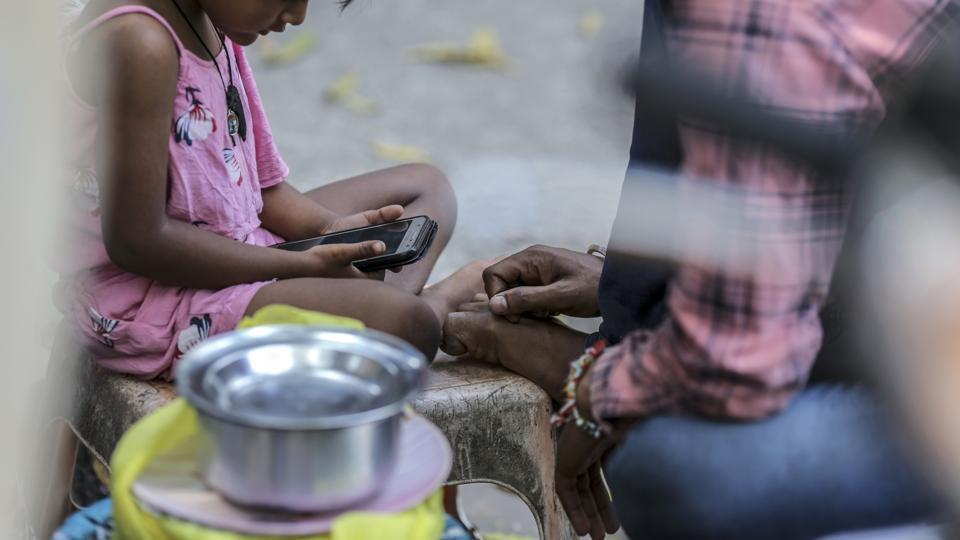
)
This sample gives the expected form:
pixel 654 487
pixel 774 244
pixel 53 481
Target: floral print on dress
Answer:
pixel 198 331
pixel 103 327
pixel 233 166
pixel 197 123
pixel 87 191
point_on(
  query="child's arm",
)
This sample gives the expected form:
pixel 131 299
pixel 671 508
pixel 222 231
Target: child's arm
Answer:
pixel 295 216
pixel 135 102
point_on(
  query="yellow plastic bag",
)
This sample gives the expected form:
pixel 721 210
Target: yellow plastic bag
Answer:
pixel 176 422
pixel 281 314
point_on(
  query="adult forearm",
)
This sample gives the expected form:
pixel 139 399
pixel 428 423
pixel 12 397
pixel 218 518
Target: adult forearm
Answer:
pixel 182 255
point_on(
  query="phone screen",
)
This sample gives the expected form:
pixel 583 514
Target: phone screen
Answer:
pixel 391 234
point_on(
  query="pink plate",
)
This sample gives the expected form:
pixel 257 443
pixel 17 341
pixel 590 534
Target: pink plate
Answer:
pixel 171 486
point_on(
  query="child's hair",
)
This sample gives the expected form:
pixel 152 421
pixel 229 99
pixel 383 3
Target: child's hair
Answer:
pixel 344 4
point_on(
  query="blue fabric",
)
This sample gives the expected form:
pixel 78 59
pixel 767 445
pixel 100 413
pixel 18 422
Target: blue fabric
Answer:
pixel 829 463
pixel 93 523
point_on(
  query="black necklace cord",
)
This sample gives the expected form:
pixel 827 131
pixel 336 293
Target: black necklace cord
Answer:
pixel 236 117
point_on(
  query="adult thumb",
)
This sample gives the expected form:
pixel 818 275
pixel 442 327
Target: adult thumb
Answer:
pixel 525 300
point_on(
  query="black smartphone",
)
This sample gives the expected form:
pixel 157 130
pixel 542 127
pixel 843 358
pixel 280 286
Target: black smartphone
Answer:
pixel 407 241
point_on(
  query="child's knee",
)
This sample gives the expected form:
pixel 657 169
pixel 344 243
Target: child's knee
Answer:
pixel 414 321
pixel 427 176
pixel 429 181
pixel 432 185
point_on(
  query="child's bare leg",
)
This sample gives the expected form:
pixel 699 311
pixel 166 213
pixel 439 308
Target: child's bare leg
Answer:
pixel 380 306
pixel 456 289
pixel 421 189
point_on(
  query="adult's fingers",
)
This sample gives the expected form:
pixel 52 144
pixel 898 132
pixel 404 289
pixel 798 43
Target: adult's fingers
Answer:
pixel 590 507
pixel 505 274
pixel 569 494
pixel 601 498
pixel 537 300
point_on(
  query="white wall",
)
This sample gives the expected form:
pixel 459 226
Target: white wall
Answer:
pixel 29 161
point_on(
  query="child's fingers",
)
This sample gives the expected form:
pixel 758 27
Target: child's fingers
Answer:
pixel 379 275
pixel 474 307
pixel 383 215
pixel 345 254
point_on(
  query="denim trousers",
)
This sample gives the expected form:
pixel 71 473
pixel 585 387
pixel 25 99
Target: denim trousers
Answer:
pixel 830 462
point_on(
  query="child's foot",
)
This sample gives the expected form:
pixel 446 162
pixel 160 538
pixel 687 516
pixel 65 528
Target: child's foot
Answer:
pixel 540 350
pixel 458 288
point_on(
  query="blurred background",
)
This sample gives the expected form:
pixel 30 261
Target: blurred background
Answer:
pixel 530 124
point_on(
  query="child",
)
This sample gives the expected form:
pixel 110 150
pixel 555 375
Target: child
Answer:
pixel 180 188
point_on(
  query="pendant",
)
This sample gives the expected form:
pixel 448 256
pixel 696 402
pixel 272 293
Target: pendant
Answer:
pixel 236 119
pixel 233 123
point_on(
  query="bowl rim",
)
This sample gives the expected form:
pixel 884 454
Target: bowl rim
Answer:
pixel 193 366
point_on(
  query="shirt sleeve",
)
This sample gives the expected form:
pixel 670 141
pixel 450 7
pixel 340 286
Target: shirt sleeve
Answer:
pixel 740 346
pixel 733 348
pixel 271 169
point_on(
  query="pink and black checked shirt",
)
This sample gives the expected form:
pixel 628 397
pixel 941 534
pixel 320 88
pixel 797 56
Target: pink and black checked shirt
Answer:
pixel 740 346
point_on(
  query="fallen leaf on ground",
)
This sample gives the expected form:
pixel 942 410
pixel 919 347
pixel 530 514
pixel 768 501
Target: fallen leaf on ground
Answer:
pixel 399 152
pixel 344 91
pixel 591 24
pixel 360 104
pixel 482 50
pixel 275 54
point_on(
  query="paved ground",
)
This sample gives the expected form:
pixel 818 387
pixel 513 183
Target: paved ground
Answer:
pixel 536 153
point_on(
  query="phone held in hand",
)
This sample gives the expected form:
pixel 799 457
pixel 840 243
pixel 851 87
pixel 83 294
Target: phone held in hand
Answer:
pixel 407 241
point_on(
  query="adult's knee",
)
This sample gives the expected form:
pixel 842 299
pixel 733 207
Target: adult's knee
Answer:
pixel 655 490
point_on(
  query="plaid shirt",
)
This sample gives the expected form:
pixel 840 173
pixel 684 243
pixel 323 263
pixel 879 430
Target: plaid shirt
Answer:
pixel 741 346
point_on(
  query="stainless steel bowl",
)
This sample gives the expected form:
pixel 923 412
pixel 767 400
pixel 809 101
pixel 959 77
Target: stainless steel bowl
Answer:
pixel 298 418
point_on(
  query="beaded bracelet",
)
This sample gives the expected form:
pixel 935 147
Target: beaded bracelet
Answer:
pixel 590 427
pixel 568 411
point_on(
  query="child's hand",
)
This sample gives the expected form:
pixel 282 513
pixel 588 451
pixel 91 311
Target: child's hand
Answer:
pixel 336 260
pixel 365 219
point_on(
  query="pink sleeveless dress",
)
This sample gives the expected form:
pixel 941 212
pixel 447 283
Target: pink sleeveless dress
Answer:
pixel 135 325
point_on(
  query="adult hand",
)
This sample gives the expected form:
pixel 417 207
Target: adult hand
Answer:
pixel 543 280
pixel 580 485
pixel 365 219
pixel 336 260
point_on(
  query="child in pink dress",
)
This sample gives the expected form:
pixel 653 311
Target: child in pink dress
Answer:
pixel 179 187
